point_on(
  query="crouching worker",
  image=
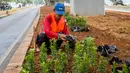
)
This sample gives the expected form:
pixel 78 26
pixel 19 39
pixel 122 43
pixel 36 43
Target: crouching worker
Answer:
pixel 53 27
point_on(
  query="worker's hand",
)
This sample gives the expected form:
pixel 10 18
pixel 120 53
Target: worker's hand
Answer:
pixel 62 36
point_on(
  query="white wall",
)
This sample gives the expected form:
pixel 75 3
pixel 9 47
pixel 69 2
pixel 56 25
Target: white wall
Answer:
pixel 72 6
pixel 87 7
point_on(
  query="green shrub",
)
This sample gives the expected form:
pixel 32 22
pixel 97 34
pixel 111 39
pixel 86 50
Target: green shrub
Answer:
pixel 67 48
pixel 45 67
pixel 79 49
pixel 28 66
pixel 102 65
pixel 60 62
pixel 53 48
pixel 75 21
pixel 90 49
pixel 114 67
pixel 24 71
pixel 81 64
pixel 85 57
pixel 125 69
pixel 43 53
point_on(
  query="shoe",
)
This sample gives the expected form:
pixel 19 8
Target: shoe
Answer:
pixel 37 50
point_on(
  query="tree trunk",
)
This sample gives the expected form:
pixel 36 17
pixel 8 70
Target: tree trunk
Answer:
pixel 47 2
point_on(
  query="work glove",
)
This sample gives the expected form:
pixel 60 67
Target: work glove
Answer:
pixel 71 40
pixel 61 36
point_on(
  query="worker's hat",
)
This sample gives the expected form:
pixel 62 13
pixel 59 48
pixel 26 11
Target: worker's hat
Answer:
pixel 59 8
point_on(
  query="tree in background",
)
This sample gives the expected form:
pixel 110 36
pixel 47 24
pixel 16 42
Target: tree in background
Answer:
pixel 117 2
pixel 47 2
pixel 38 2
pixel 68 1
pixel 24 1
pixel 6 1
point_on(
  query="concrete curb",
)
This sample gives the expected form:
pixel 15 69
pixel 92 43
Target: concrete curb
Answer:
pixel 15 64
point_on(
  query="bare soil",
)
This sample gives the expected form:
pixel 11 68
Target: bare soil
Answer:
pixel 113 28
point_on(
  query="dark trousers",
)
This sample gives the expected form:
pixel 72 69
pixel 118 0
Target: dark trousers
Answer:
pixel 41 38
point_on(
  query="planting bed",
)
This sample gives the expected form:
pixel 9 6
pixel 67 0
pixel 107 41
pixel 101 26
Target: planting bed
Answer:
pixel 112 29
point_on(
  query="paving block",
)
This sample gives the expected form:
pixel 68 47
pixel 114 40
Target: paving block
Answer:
pixel 18 59
pixel 21 50
pixel 13 68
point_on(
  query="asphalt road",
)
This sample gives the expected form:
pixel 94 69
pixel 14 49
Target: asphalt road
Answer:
pixel 12 29
pixel 121 9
